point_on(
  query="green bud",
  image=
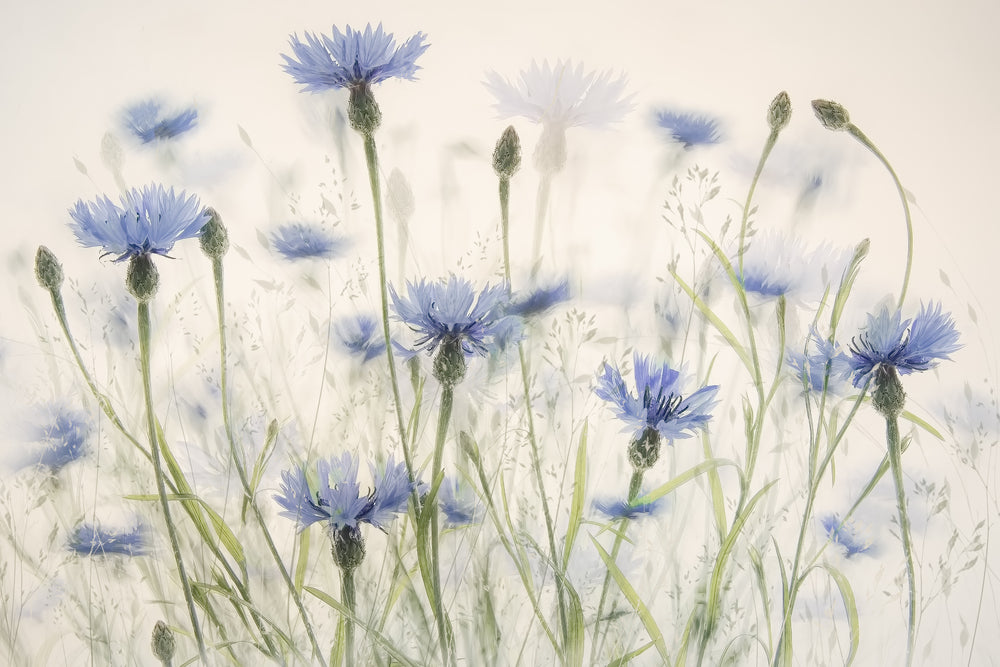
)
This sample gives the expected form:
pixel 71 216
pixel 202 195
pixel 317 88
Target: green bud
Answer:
pixel 507 154
pixel 889 396
pixel 363 111
pixel 780 112
pixel 163 642
pixel 833 116
pixel 214 237
pixel 142 278
pixel 348 548
pixel 48 270
pixel 644 451
pixel 449 364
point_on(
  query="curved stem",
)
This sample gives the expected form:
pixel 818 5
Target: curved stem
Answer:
pixel 772 139
pixel 855 132
pixel 147 387
pixel 895 463
pixel 437 468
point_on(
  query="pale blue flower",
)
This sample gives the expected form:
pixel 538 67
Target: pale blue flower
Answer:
pixel 450 310
pixel 64 435
pixel 459 503
pixel 359 336
pixel 92 540
pixel 776 265
pixel 392 492
pixel 689 129
pixel 845 535
pixel 353 59
pixel 148 123
pixel 618 508
pixel 905 345
pixel 538 300
pixel 149 221
pixel 306 241
pixel 812 368
pixel 658 404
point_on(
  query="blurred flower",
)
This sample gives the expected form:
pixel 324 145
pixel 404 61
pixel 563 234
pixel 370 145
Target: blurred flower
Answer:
pixel 92 540
pixel 689 129
pixel 538 300
pixel 658 405
pixel 460 503
pixel 778 265
pixel 335 496
pixel 617 508
pixel 149 221
pixel 147 121
pixel 450 312
pixel 352 60
pixel 845 535
pixel 889 341
pixel 63 433
pixel 306 241
pixel 812 368
pixel 358 336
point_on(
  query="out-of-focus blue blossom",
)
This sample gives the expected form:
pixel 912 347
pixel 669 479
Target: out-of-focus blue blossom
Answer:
pixel 149 221
pixel 63 434
pixel 148 123
pixel 777 265
pixel 905 345
pixel 845 535
pixel 334 495
pixel 459 502
pixel 658 403
pixel 358 336
pixel 351 59
pixel 689 129
pixel 450 310
pixel 92 540
pixel 812 368
pixel 539 300
pixel 306 241
pixel 618 508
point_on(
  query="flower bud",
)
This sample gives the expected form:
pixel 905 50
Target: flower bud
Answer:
pixel 507 154
pixel 363 111
pixel 833 116
pixel 449 364
pixel 214 237
pixel 644 451
pixel 48 270
pixel 142 278
pixel 348 548
pixel 889 396
pixel 780 112
pixel 163 642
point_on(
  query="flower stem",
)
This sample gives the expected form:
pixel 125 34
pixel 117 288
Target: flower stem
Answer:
pixel 444 417
pixel 350 601
pixel 505 224
pixel 541 210
pixel 895 463
pixel 248 499
pixel 144 338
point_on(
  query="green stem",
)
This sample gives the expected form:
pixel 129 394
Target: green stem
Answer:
pixel 217 269
pixel 147 386
pixel 895 463
pixel 772 139
pixel 541 208
pixel 350 601
pixel 437 469
pixel 505 224
pixel 855 132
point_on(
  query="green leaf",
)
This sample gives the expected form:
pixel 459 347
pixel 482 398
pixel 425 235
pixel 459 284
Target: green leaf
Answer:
pixel 579 491
pixel 847 595
pixel 719 325
pixel 302 561
pixel 682 479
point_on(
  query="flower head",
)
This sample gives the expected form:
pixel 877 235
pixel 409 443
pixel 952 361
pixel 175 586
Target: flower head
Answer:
pixel 352 59
pixel 64 434
pixel 459 502
pixel 778 265
pixel 689 129
pixel 306 241
pixel 148 123
pixel 658 405
pixel 617 508
pixel 890 342
pixel 149 221
pixel 358 336
pixel 92 540
pixel 539 300
pixel 392 491
pixel 813 368
pixel 845 535
pixel 450 312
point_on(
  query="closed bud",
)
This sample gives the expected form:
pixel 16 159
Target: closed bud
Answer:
pixel 163 642
pixel 449 363
pixel 363 111
pixel 644 451
pixel 780 112
pixel 214 237
pixel 48 270
pixel 507 154
pixel 142 278
pixel 889 396
pixel 348 548
pixel 833 116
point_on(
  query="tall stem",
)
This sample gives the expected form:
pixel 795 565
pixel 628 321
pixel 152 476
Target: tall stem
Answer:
pixel 147 387
pixel 437 467
pixel 350 601
pixel 895 463
pixel 217 270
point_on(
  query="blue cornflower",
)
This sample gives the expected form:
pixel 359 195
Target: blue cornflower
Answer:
pixel 539 300
pixel 659 404
pixel 889 342
pixel 64 437
pixel 845 535
pixel 449 312
pixel 306 241
pixel 359 337
pixel 812 368
pixel 92 540
pixel 352 60
pixel 689 129
pixel 460 503
pixel 147 121
pixel 776 265
pixel 617 508
pixel 149 221
pixel 392 491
